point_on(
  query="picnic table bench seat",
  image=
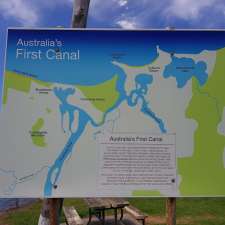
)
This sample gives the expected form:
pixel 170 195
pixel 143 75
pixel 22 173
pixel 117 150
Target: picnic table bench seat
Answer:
pixel 72 217
pixel 136 213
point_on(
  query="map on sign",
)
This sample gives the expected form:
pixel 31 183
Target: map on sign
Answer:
pixel 113 113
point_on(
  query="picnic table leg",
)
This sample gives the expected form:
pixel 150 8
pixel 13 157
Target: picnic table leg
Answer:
pixel 90 216
pixel 121 213
pixel 142 221
pixel 103 217
pixel 115 213
pixel 98 214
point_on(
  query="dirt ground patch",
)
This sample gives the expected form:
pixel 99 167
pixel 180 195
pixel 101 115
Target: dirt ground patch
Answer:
pixel 2 219
pixel 181 220
pixel 156 220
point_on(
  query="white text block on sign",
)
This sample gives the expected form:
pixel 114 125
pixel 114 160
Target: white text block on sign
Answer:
pixel 137 162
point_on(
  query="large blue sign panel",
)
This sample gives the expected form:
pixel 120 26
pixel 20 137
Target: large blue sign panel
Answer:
pixel 113 113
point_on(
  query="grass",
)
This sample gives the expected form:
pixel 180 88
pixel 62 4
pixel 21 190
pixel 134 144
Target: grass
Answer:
pixel 24 216
pixel 190 211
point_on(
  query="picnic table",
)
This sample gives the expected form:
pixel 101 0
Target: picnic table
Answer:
pixel 99 206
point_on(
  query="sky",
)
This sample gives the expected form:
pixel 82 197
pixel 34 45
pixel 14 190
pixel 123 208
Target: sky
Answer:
pixel 124 14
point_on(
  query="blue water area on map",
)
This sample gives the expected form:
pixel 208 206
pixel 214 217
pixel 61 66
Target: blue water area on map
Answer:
pixel 142 82
pixel 64 108
pixel 99 48
pixel 183 69
pixel 97 51
pixel 55 170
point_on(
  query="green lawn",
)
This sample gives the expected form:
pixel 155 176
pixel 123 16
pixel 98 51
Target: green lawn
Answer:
pixel 190 211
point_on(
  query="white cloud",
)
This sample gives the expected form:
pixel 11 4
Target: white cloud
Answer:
pixel 113 12
pixel 29 12
pixel 21 10
pixel 100 9
pixel 188 9
pixel 116 13
pixel 126 24
pixel 163 13
pixel 123 2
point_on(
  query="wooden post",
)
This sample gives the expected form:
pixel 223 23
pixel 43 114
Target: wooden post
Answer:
pixel 171 202
pixel 52 208
pixel 80 13
pixel 171 211
pixel 55 210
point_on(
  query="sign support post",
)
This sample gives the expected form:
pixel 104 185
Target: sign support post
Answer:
pixel 80 13
pixel 171 211
pixel 52 208
pixel 55 210
pixel 171 202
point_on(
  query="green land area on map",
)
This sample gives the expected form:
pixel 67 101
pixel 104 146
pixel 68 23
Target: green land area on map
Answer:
pixel 203 172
